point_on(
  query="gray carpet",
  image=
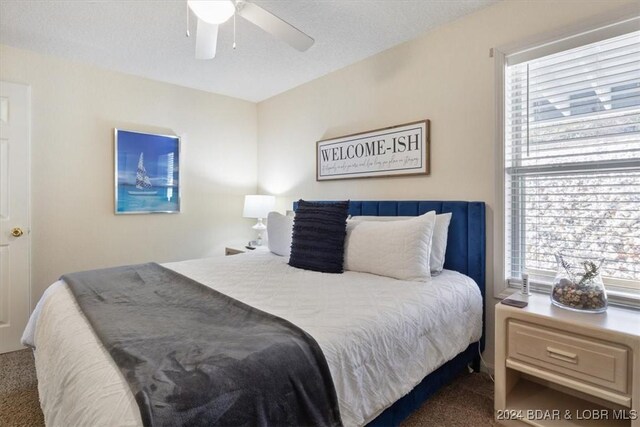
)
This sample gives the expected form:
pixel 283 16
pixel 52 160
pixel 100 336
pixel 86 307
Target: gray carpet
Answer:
pixel 468 401
pixel 19 404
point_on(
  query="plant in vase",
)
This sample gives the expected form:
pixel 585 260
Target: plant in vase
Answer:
pixel 578 285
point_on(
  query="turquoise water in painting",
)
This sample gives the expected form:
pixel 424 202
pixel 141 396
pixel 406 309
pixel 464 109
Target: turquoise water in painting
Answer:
pixel 166 199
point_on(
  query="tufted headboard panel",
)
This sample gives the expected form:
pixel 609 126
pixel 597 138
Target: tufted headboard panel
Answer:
pixel 466 241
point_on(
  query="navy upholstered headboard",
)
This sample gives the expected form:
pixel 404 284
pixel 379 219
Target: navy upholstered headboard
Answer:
pixel 466 242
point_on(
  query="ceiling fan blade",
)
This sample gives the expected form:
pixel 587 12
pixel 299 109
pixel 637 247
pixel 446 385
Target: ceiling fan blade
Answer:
pixel 206 40
pixel 275 26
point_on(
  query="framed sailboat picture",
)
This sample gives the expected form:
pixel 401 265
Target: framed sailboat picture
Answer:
pixel 147 173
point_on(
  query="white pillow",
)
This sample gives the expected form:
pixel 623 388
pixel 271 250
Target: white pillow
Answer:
pixel 398 249
pixel 379 218
pixel 438 242
pixel 279 232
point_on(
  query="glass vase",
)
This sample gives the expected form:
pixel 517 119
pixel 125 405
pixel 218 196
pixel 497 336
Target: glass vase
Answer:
pixel 578 285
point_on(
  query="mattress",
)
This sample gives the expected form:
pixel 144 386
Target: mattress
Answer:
pixel 380 336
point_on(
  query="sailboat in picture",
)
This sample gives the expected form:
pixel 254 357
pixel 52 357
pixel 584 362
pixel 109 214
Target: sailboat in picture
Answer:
pixel 142 181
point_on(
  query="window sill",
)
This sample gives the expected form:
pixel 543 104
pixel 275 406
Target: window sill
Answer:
pixel 616 297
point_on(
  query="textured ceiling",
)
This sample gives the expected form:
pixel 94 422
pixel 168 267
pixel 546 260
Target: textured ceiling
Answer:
pixel 147 38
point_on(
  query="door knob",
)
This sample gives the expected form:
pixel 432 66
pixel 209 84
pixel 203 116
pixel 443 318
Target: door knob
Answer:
pixel 17 232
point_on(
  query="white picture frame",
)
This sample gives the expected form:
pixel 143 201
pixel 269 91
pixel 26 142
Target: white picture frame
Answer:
pixel 146 172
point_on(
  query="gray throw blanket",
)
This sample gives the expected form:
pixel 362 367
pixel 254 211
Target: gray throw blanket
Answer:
pixel 193 356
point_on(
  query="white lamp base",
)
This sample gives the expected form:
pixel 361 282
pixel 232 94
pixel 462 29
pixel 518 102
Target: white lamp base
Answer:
pixel 259 227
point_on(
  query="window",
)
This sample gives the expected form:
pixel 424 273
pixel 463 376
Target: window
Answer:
pixel 572 159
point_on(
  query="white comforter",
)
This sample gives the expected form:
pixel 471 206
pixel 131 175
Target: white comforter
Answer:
pixel 380 336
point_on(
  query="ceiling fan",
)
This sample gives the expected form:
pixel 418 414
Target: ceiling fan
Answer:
pixel 212 13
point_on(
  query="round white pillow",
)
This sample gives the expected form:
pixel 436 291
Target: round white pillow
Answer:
pixel 279 232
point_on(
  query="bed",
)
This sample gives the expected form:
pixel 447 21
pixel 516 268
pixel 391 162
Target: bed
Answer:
pixel 389 345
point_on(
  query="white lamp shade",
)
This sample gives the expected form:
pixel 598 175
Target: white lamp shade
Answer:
pixel 258 206
pixel 212 11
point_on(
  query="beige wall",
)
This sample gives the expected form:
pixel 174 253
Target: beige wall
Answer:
pixel 74 111
pixel 446 76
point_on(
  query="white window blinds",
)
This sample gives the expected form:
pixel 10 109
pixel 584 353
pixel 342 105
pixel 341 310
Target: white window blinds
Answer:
pixel 572 160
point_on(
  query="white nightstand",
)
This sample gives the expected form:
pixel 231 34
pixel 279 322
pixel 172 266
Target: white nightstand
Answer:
pixel 234 250
pixel 553 364
pixel 240 249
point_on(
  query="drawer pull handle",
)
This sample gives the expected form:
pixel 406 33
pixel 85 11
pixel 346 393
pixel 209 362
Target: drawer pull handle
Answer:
pixel 565 356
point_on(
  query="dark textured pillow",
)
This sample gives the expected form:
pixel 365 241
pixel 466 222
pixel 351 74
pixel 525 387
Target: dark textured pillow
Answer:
pixel 319 230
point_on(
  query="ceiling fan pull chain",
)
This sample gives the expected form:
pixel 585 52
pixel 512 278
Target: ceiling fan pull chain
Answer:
pixel 234 31
pixel 188 34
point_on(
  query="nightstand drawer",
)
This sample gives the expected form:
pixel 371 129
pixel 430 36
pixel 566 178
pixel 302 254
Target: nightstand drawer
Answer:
pixel 574 356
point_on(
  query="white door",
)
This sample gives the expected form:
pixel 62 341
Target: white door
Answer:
pixel 15 277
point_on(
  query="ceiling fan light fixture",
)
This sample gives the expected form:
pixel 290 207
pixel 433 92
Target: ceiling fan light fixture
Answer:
pixel 212 11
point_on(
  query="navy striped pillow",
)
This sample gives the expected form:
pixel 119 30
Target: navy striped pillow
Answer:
pixel 319 230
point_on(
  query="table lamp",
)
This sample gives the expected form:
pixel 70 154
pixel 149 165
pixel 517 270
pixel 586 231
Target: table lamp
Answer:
pixel 258 206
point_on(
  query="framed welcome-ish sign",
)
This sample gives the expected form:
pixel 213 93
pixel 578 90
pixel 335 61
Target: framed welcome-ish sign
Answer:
pixel 392 151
